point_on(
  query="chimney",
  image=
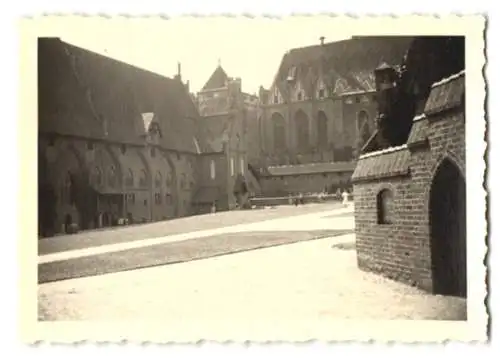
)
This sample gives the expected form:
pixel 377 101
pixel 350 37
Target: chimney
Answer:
pixel 322 40
pixel 187 85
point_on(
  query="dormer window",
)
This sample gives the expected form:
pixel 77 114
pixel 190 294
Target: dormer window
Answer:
pixel 292 72
pixel 276 99
pixel 321 93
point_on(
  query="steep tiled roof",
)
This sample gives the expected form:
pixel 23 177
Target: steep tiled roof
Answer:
pixel 382 164
pixel 218 79
pixel 418 133
pixel 312 168
pixel 446 94
pixel 345 65
pixel 104 98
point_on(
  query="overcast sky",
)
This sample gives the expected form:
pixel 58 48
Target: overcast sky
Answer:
pixel 247 48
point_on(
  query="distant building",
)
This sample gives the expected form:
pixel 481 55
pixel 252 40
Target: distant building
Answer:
pixel 321 108
pixel 409 183
pixel 225 113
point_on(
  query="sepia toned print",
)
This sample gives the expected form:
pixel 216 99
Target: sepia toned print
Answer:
pixel 319 189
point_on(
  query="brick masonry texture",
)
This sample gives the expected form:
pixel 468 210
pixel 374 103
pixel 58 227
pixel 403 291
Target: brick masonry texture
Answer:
pixel 401 251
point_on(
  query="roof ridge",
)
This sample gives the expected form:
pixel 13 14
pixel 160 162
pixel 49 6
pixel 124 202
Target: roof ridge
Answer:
pixel 448 79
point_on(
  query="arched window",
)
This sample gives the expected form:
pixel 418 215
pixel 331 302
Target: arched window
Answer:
pixel 96 178
pixel 242 166
pixel 158 180
pixel 112 176
pixel 322 127
pixel 129 179
pixel 279 133
pixel 385 207
pixel 212 169
pixel 143 179
pixel 302 131
pixel 168 181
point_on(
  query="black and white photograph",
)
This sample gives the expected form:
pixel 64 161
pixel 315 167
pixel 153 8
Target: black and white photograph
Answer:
pixel 256 178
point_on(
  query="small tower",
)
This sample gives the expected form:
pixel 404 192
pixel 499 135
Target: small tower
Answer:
pixel 385 82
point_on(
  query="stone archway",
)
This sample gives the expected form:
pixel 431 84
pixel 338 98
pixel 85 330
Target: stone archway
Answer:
pixel 447 218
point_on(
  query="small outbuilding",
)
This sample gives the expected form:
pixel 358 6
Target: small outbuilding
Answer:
pixel 409 182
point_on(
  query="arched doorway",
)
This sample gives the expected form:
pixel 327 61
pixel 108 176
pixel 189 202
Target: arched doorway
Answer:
pixel 447 217
pixel 302 131
pixel 279 132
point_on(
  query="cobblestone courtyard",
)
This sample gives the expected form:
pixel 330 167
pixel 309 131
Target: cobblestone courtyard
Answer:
pixel 277 264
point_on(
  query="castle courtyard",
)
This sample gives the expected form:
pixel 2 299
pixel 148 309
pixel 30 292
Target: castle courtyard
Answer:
pixel 274 265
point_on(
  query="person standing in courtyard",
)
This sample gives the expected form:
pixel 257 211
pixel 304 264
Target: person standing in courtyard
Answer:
pixel 345 197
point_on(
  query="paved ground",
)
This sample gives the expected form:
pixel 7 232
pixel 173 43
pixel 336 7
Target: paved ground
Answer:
pixel 314 280
pixel 174 227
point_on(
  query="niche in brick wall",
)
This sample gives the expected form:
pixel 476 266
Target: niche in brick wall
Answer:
pixel 385 207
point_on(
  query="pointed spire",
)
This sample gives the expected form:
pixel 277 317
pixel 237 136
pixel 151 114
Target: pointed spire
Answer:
pixel 218 62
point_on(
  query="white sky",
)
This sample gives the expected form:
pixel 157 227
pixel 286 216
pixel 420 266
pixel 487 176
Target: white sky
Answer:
pixel 248 48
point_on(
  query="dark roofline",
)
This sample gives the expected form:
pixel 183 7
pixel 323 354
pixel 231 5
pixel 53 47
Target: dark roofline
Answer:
pixel 116 142
pixel 113 59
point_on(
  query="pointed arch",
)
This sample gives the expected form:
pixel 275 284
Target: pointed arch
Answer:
pixel 145 174
pixel 322 130
pixel 279 132
pixel 158 179
pixel 172 179
pixel 129 178
pixel 302 130
pixel 447 221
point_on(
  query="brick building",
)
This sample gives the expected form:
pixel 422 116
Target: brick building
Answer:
pixel 225 112
pixel 321 108
pixel 115 141
pixel 409 182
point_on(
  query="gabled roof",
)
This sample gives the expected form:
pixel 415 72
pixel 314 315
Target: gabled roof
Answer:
pixel 83 93
pixel 218 79
pixel 382 164
pixel 345 65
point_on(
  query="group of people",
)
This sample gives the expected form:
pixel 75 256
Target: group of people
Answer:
pixel 299 199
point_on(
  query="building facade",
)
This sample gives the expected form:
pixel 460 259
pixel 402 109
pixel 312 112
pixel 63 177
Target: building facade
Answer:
pixel 225 112
pixel 321 108
pixel 115 141
pixel 409 185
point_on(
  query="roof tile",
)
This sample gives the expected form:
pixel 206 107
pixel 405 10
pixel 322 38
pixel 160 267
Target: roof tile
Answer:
pixel 382 166
pixel 103 98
